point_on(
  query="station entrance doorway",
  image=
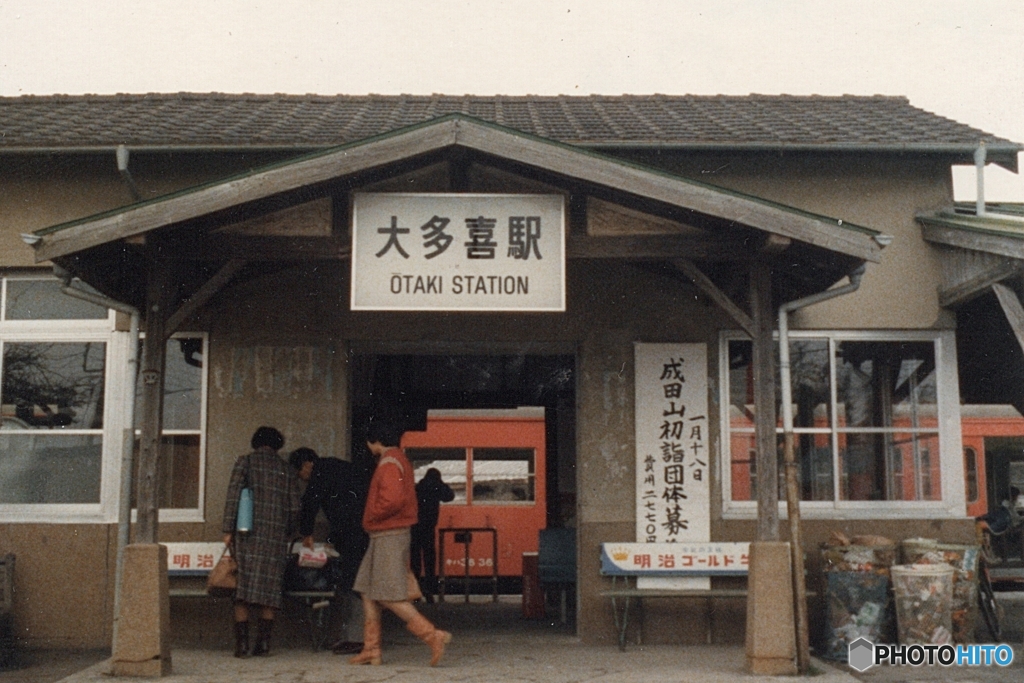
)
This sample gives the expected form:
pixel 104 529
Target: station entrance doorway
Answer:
pixel 494 391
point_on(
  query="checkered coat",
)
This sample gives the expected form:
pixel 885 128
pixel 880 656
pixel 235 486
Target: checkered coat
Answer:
pixel 262 553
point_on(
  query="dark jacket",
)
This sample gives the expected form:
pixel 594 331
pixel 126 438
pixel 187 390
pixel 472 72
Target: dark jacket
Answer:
pixel 430 493
pixel 334 487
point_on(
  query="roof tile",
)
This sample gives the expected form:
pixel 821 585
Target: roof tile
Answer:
pixel 310 121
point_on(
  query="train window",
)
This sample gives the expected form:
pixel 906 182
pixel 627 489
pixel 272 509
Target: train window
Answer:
pixel 503 476
pixel 971 474
pixel 450 462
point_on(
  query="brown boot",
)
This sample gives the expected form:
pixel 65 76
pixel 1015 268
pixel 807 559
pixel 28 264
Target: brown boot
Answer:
pixel 262 646
pixel 371 645
pixel 241 638
pixel 435 638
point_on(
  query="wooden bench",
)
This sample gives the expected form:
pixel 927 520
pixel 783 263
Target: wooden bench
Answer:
pixel 668 570
pixel 189 564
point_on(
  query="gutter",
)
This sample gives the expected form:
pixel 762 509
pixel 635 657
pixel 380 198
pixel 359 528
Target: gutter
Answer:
pixel 124 510
pixel 792 488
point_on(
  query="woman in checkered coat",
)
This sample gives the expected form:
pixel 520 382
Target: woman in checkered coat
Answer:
pixel 262 552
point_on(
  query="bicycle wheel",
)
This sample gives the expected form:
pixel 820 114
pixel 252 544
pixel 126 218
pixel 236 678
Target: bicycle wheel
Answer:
pixel 987 602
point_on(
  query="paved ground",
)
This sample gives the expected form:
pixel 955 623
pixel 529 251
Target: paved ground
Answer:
pixel 492 644
pixel 50 665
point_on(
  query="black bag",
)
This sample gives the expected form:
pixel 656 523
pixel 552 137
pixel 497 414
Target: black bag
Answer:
pixel 320 579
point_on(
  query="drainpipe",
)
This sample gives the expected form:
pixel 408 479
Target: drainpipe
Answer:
pixel 122 167
pixel 124 510
pixel 979 167
pixel 803 655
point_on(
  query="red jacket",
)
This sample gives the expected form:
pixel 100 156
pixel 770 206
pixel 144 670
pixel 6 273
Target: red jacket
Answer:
pixel 391 501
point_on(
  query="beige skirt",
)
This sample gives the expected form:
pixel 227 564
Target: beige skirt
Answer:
pixel 385 567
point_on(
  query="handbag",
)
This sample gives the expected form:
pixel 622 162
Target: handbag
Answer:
pixel 223 578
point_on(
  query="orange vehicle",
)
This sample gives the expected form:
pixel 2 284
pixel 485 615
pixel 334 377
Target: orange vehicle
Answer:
pixel 494 460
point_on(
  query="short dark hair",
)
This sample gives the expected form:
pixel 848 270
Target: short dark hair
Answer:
pixel 386 432
pixel 267 437
pixel 300 456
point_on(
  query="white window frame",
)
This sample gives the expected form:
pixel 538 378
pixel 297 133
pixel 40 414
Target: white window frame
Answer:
pixel 115 413
pixel 196 514
pixel 71 331
pixel 953 502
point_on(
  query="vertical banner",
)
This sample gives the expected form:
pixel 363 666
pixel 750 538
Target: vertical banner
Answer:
pixel 673 503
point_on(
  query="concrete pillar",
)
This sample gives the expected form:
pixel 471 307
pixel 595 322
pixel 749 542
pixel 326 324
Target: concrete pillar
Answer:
pixel 771 633
pixel 144 620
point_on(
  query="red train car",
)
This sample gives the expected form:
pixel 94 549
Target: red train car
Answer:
pixel 494 460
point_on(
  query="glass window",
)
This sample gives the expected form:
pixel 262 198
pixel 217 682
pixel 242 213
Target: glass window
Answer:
pixel 865 409
pixel 451 462
pixel 41 299
pixel 503 475
pixel 47 467
pixel 51 404
pixel 53 385
pixel 181 440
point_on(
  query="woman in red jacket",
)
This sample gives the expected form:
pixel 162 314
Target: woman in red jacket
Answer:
pixel 383 578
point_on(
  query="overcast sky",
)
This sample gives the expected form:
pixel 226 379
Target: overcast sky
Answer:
pixel 963 59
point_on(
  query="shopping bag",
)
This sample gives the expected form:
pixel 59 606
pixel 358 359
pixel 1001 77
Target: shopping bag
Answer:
pixel 223 578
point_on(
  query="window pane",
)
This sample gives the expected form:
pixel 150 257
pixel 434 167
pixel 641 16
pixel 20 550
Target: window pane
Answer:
pixel 744 465
pixel 809 382
pixel 890 466
pixel 814 453
pixel 971 474
pixel 43 300
pixel 53 385
pixel 183 385
pixel 451 462
pixel 741 384
pixel 45 467
pixel 885 384
pixel 502 475
pixel 179 471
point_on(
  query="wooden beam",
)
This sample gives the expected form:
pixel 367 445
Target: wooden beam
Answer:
pixel 207 200
pixel 728 206
pixel 763 362
pixel 723 205
pixel 978 241
pixel 1012 308
pixel 656 247
pixel 221 247
pixel 203 294
pixel 154 350
pixel 775 244
pixel 312 219
pixel 608 219
pixel 704 283
pixel 967 274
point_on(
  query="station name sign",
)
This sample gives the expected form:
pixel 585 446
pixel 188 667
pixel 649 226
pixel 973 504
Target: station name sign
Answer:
pixel 458 252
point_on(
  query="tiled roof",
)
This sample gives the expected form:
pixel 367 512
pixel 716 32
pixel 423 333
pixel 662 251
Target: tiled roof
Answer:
pixel 214 120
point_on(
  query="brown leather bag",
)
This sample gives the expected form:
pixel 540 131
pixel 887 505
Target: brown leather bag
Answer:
pixel 223 578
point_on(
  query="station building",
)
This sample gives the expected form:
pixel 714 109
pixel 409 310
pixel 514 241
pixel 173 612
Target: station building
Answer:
pixel 308 259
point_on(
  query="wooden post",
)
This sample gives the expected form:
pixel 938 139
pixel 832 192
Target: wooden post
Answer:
pixel 153 356
pixel 764 402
